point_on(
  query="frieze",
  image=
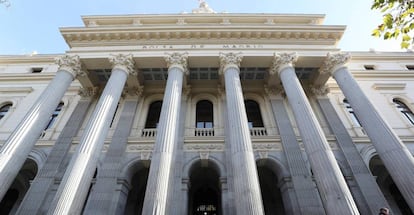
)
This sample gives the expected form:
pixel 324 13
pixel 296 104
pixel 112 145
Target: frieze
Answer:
pixel 267 147
pixel 204 147
pixel 140 148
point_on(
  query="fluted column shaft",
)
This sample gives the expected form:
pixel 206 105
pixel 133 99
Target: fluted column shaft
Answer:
pixel 334 192
pixel 394 154
pixel 74 187
pixel 247 193
pixel 17 147
pixel 160 173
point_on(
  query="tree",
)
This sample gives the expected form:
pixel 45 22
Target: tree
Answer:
pixel 397 22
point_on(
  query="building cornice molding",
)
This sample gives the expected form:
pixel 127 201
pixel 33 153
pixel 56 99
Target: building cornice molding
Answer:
pixel 181 34
pixel 201 18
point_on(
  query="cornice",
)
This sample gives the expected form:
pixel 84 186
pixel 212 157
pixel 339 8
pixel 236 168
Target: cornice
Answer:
pixel 27 76
pixel 381 56
pixel 29 59
pixel 184 34
pixel 217 18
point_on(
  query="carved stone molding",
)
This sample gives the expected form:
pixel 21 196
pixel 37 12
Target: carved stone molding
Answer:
pixel 334 60
pixel 282 59
pixel 204 155
pixel 320 91
pixel 267 147
pixel 70 63
pixel 177 59
pixel 133 91
pixel 263 154
pixel 230 58
pixel 272 90
pixel 186 91
pixel 220 90
pixel 204 147
pixel 88 92
pixel 124 62
pixel 146 155
pixel 140 148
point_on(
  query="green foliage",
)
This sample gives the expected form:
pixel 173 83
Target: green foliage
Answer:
pixel 397 22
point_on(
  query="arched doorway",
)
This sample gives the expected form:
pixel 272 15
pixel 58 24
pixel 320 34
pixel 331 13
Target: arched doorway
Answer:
pixel 136 193
pixel 388 187
pixel 271 195
pixel 205 192
pixel 19 187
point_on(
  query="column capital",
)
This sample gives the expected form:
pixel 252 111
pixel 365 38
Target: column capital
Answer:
pixel 123 62
pixel 71 64
pixel 229 59
pixel 281 60
pixel 334 61
pixel 178 60
pixel 320 90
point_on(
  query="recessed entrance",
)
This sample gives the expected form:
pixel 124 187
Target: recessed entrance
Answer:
pixel 205 193
pixel 271 195
pixel 136 194
pixel 388 187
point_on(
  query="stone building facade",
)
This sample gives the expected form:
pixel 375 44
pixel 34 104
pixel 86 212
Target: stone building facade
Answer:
pixel 206 113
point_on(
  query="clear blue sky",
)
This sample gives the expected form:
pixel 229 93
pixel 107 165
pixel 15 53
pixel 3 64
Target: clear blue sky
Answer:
pixel 33 26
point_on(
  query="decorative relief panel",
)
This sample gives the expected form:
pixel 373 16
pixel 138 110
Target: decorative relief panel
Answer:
pixel 267 147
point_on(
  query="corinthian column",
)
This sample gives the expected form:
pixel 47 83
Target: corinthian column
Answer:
pixel 160 174
pixel 247 194
pixel 17 147
pixel 334 192
pixel 73 190
pixel 393 153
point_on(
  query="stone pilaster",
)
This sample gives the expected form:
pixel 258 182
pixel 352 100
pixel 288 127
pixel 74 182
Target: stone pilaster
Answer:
pixel 247 193
pixel 74 187
pixel 309 201
pixel 333 190
pixel 160 174
pixel 17 147
pixel 394 154
pixel 101 199
pixel 364 180
pixel 44 180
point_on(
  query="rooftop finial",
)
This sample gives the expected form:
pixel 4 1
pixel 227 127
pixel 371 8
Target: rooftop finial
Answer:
pixel 203 8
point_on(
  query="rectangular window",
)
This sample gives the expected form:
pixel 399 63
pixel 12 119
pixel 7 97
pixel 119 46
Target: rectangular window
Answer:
pixel 410 67
pixel 369 67
pixel 37 70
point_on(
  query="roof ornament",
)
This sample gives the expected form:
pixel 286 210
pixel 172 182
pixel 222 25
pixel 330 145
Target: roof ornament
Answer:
pixel 203 8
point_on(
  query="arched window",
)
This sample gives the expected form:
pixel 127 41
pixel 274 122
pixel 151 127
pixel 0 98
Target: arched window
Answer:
pixel 204 114
pixel 254 116
pixel 54 116
pixel 153 114
pixel 4 109
pixel 351 112
pixel 404 110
